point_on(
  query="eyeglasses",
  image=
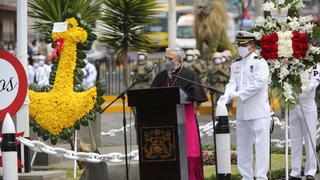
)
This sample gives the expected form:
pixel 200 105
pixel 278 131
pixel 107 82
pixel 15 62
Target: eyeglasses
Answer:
pixel 168 59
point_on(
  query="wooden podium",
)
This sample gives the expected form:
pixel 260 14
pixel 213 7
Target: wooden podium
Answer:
pixel 160 122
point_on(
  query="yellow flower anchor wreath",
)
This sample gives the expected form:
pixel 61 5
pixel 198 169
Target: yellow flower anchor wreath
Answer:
pixel 62 107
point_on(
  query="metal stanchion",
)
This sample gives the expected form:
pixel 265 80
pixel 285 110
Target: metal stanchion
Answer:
pixel 9 150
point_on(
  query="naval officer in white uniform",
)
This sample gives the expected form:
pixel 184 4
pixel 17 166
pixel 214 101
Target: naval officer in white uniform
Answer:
pixel 90 75
pixel 299 129
pixel 249 83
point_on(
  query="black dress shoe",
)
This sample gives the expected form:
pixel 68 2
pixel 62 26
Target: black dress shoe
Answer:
pixel 309 177
pixel 294 178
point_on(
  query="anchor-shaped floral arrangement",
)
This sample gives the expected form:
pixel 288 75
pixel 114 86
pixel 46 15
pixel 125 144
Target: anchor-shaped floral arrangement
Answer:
pixel 62 107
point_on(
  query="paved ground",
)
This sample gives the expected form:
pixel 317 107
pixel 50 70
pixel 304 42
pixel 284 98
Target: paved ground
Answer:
pixel 115 120
pixel 115 144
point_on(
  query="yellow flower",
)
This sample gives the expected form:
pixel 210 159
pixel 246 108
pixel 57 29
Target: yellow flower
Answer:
pixel 62 107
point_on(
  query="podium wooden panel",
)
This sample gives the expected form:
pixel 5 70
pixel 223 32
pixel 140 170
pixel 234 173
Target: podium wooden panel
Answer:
pixel 160 122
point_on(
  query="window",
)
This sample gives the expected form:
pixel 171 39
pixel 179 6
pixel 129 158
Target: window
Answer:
pixel 185 32
pixel 160 26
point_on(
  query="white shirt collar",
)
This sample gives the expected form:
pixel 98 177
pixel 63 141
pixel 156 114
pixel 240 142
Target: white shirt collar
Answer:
pixel 251 56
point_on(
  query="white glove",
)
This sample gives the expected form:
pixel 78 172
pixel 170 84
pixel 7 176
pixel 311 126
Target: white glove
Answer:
pixel 234 94
pixel 223 100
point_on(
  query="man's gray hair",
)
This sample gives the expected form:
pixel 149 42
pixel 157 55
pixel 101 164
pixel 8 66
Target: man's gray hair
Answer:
pixel 179 53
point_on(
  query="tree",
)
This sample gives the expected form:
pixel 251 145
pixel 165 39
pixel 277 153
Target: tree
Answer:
pixel 58 10
pixel 123 23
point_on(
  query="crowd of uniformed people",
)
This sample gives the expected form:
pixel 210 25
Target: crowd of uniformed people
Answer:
pixel 39 66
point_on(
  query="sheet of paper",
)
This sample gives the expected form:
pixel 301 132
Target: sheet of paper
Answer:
pixel 60 27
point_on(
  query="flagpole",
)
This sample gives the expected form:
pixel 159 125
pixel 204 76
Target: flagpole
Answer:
pixel 22 117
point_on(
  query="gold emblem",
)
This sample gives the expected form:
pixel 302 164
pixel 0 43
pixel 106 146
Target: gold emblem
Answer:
pixel 158 144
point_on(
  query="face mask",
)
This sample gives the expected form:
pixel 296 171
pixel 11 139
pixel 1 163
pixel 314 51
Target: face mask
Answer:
pixel 224 59
pixel 141 57
pixel 217 60
pixel 189 58
pixel 258 51
pixel 36 65
pixel 41 63
pixel 168 65
pixel 243 51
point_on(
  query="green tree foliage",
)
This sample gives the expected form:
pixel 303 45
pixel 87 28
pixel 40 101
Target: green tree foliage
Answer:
pixel 123 23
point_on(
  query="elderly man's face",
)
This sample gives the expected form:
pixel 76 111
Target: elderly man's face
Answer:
pixel 171 56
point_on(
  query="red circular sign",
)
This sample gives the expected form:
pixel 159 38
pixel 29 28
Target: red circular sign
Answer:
pixel 16 92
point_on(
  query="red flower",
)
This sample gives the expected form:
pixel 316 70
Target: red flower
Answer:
pixel 271 38
pixel 300 45
pixel 269 46
pixel 300 37
pixel 269 55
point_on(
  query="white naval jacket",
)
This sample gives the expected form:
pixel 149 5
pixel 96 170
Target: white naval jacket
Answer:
pixel 307 96
pixel 249 77
pixel 90 76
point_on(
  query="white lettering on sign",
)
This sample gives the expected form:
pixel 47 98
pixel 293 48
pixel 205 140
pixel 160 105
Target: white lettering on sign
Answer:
pixel 8 84
pixel 60 27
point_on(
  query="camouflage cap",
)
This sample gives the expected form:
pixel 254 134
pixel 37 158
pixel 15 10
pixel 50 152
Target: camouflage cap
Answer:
pixel 226 53
pixel 189 52
pixel 196 52
pixel 217 55
pixel 142 53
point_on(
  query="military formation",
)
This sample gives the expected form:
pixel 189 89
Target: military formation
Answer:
pixel 213 72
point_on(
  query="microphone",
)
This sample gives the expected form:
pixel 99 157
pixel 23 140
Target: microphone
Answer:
pixel 169 75
pixel 154 67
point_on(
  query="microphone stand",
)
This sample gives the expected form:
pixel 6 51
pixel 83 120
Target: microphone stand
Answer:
pixel 214 90
pixel 212 96
pixel 123 97
pixel 130 87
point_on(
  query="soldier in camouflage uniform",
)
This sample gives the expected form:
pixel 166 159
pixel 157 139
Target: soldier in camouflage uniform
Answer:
pixel 219 72
pixel 226 63
pixel 189 60
pixel 140 67
pixel 200 66
pixel 197 65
